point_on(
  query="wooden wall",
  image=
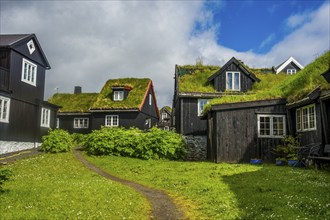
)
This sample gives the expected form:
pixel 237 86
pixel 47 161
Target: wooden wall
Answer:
pixel 234 135
pixel 220 80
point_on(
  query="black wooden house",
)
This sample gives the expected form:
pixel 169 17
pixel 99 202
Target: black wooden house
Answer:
pixel 24 116
pixel 125 102
pixel 290 66
pixel 165 119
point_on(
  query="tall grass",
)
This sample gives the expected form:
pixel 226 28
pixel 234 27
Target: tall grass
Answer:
pixel 231 191
pixel 56 186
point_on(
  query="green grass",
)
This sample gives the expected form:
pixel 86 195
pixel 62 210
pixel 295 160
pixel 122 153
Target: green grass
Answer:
pixel 134 99
pixel 195 78
pixel 74 102
pixel 56 186
pixel 231 191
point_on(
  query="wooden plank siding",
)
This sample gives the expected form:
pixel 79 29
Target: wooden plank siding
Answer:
pixel 190 122
pixel 234 135
pixel 220 80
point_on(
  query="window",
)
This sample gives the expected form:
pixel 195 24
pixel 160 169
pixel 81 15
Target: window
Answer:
pixel 57 123
pixel 111 120
pixel 29 72
pixel 166 128
pixel 118 95
pixel 80 123
pixel 291 71
pixel 233 81
pixel 201 104
pixel 164 115
pixel 4 109
pixel 148 122
pixel 45 117
pixel 31 46
pixel 306 118
pixel 150 99
pixel 271 126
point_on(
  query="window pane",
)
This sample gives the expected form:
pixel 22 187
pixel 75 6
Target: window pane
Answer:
pixel 305 118
pixel 298 119
pixel 264 125
pixel 229 81
pixel 236 82
pixel 311 117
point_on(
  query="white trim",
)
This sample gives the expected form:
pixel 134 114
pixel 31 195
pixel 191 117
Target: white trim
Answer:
pixel 150 99
pixel 109 121
pixel 31 46
pixel 302 118
pixel 291 59
pixel 148 122
pixel 291 71
pixel 29 72
pixel 271 126
pixel 45 117
pixel 118 95
pixel 4 109
pixel 199 107
pixel 233 81
pixel 80 125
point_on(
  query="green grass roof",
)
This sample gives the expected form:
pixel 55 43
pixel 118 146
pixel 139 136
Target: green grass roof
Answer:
pixel 292 87
pixel 134 99
pixel 74 102
pixel 85 101
pixel 195 78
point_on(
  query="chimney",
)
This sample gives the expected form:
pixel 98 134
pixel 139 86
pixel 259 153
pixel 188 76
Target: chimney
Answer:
pixel 77 89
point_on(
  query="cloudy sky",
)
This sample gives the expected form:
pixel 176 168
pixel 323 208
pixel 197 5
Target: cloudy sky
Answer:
pixel 88 42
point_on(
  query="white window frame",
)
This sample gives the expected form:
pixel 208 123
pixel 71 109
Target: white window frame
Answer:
pixel 111 121
pixel 150 99
pixel 200 105
pixel 164 115
pixel 306 122
pixel 45 117
pixel 31 46
pixel 271 126
pixel 232 83
pixel 118 95
pixel 29 72
pixel 148 122
pixel 166 128
pixel 79 123
pixel 291 71
pixel 57 123
pixel 4 109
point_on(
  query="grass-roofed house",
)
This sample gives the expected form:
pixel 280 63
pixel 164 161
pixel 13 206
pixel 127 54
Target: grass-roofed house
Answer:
pixel 165 120
pixel 125 102
pixel 248 126
pixel 24 115
pixel 194 87
pixel 290 66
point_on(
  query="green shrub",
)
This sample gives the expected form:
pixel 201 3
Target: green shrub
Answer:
pixel 154 144
pixel 4 176
pixel 57 141
pixel 78 139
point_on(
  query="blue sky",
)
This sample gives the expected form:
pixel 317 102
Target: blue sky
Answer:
pixel 88 42
pixel 257 25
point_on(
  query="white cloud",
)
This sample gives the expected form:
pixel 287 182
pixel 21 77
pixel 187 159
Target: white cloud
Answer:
pixel 298 19
pixel 267 41
pixel 88 42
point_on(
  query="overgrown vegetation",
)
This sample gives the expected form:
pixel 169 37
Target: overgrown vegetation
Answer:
pixel 152 144
pixel 195 78
pixel 292 87
pixel 5 175
pixel 231 191
pixel 133 101
pixel 56 186
pixel 74 102
pixel 56 141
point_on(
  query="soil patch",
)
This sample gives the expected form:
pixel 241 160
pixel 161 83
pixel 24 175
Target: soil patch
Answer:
pixel 161 204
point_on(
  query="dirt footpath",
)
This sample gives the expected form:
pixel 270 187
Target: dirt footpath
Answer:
pixel 161 204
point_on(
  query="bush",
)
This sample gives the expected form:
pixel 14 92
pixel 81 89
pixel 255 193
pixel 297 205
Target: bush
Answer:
pixel 4 176
pixel 57 141
pixel 155 144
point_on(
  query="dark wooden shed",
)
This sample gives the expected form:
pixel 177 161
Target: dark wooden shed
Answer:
pixel 238 132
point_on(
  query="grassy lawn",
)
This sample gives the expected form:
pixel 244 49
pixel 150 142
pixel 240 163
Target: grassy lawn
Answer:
pixel 231 191
pixel 56 186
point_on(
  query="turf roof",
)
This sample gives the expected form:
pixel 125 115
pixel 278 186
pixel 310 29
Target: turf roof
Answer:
pixel 194 78
pixel 291 87
pixel 77 103
pixel 134 99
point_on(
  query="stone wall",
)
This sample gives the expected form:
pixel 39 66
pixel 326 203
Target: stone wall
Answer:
pixel 13 146
pixel 196 147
